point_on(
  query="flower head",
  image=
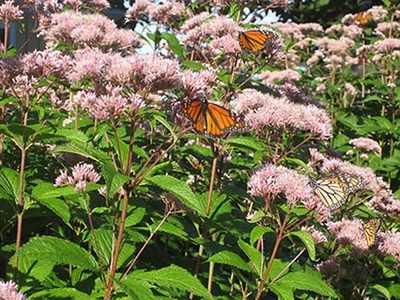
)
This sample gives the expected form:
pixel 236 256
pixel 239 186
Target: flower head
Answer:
pixel 317 235
pixel 10 12
pixel 8 291
pixel 349 232
pixel 81 175
pixel 264 111
pixel 272 180
pixel 366 144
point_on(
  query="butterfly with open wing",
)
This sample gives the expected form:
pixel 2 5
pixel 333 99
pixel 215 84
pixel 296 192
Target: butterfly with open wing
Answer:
pixel 370 230
pixel 334 190
pixel 363 17
pixel 212 119
pixel 256 40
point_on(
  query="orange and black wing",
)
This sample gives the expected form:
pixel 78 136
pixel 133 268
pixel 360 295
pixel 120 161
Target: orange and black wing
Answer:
pixel 370 230
pixel 363 17
pixel 212 119
pixel 255 40
pixel 194 111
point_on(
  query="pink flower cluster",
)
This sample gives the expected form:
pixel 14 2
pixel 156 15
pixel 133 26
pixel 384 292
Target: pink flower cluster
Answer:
pixel 8 291
pixel 81 175
pixel 262 111
pixel 271 180
pixel 88 30
pixel 167 14
pixel 366 144
pixel 317 235
pixel 10 12
pixel 349 232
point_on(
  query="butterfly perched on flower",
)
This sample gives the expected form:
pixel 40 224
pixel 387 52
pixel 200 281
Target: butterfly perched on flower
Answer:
pixel 334 190
pixel 211 119
pixel 370 230
pixel 256 40
pixel 363 17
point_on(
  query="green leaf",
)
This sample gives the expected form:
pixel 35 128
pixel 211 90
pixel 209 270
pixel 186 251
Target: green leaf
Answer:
pixel 307 240
pixel 114 180
pixel 258 232
pixel 253 254
pixel 174 277
pixel 174 44
pixel 26 132
pixel 230 258
pixel 9 182
pixel 59 252
pixel 74 136
pixel 136 288
pixel 80 149
pixel 168 126
pixel 283 292
pixel 47 195
pixel 306 281
pixel 347 119
pixel 381 290
pixel 245 142
pixel 178 188
pixel 135 216
pixel 61 293
pixel 195 66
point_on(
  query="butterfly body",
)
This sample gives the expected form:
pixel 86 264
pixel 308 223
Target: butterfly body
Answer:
pixel 211 119
pixel 256 40
pixel 334 190
pixel 370 230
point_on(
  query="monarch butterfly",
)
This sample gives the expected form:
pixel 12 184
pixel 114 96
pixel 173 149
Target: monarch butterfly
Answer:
pixel 211 119
pixel 334 190
pixel 370 230
pixel 256 40
pixel 363 17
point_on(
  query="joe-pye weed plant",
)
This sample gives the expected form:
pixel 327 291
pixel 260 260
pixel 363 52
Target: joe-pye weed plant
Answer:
pixel 108 193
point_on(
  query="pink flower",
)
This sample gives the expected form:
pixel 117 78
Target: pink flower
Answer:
pixel 350 89
pixel 23 87
pixel 138 9
pixel 103 107
pixel 167 14
pixel 390 243
pixel 384 29
pixel 10 12
pixel 317 235
pixel 81 175
pixel 264 111
pixel 46 63
pixel 194 22
pixel 271 180
pixel 290 30
pixel 224 45
pixel 215 28
pixel 92 64
pixel 196 84
pixel 311 29
pixel 269 77
pixel 383 199
pixel 349 232
pixel 8 291
pixel 88 30
pixel 387 45
pixel 366 144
